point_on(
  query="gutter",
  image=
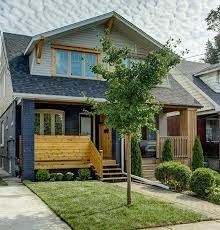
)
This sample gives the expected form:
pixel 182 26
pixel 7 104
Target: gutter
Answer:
pixel 54 97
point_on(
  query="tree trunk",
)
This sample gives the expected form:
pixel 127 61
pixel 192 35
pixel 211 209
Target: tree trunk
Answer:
pixel 129 169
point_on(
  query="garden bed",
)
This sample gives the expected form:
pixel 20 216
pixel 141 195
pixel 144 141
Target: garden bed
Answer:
pixel 98 205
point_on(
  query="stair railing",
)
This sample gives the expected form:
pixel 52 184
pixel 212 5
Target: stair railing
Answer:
pixel 96 159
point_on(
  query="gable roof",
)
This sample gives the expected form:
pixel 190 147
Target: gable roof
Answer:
pixel 210 68
pixel 101 19
pixel 25 83
pixel 204 92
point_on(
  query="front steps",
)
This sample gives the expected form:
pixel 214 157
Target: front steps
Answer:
pixel 148 167
pixel 112 172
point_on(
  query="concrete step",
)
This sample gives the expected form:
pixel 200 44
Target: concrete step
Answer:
pixel 114 179
pixel 149 166
pixel 111 169
pixel 112 174
pixel 106 161
pixel 148 160
pixel 110 165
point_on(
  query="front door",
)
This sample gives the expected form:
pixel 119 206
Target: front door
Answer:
pixel 105 141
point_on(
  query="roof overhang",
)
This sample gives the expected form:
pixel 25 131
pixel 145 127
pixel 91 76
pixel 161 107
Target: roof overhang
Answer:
pixel 29 96
pixel 207 71
pixel 88 23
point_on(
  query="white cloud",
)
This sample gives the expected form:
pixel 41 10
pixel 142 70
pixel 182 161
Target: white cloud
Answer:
pixel 161 19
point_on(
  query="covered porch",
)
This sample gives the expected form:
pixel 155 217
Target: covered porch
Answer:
pixel 177 123
pixel 64 136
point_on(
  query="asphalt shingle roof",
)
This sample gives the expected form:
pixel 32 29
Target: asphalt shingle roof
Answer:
pixel 190 68
pixel 24 82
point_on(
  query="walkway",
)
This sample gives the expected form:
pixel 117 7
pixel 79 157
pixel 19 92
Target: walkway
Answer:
pixel 184 201
pixel 20 209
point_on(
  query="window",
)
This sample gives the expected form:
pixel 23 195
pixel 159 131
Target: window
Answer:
pixel 74 63
pixel 212 130
pixel 2 134
pixel 61 62
pixel 49 122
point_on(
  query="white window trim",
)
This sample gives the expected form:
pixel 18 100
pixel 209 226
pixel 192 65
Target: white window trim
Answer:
pixel 52 112
pixel 97 77
pixel 2 134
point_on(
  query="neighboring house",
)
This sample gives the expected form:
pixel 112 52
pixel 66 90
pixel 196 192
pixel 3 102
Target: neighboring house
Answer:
pixel 202 81
pixel 44 115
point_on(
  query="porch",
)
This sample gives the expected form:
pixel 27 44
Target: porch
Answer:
pixel 175 123
pixel 66 136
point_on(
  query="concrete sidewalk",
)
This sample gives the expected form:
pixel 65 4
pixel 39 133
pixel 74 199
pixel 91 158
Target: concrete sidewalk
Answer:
pixel 20 209
pixel 204 225
pixel 206 208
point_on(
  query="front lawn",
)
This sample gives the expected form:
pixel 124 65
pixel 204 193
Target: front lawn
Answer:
pixel 97 205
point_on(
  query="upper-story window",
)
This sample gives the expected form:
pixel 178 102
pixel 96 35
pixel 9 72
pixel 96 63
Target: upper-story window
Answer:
pixel 75 63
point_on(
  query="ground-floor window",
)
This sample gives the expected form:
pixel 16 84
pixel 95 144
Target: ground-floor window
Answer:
pixel 212 130
pixel 49 122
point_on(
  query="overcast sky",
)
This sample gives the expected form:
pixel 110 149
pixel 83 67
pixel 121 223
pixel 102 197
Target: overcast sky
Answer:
pixel 161 19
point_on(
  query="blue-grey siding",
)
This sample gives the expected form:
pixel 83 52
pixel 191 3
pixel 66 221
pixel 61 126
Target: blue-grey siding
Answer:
pixel 27 132
pixel 7 152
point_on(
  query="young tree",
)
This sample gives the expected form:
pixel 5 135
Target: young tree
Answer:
pixel 136 161
pixel 198 158
pixel 167 154
pixel 129 101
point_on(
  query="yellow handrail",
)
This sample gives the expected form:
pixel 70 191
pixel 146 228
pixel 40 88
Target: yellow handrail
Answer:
pixel 96 159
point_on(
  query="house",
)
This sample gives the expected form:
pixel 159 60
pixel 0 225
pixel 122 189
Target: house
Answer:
pixel 202 81
pixel 43 108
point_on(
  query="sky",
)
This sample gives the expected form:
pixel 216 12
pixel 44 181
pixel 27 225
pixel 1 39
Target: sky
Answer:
pixel 162 19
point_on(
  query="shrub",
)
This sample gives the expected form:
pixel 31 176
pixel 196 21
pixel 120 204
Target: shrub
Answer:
pixel 84 174
pixel 59 176
pixel 136 157
pixel 174 174
pixel 167 154
pixel 202 180
pixel 42 175
pixel 214 195
pixel 53 176
pixel 198 158
pixel 68 176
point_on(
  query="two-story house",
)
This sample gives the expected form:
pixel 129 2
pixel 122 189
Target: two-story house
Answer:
pixel 44 84
pixel 202 81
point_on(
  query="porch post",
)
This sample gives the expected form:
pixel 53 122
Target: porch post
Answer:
pixel 27 135
pixel 163 124
pixel 188 127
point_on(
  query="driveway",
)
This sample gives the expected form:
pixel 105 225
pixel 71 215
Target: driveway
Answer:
pixel 20 209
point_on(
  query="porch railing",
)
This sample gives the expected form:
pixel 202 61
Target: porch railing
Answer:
pixel 96 159
pixel 65 152
pixel 179 145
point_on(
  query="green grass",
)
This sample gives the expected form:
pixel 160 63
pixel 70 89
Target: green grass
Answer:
pixel 2 183
pixel 97 205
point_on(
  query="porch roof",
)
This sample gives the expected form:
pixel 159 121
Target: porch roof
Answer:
pixel 25 83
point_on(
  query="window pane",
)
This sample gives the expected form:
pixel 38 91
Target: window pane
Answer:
pixel 58 124
pixel 47 124
pixel 90 60
pixel 61 61
pixel 76 63
pixel 212 130
pixel 37 123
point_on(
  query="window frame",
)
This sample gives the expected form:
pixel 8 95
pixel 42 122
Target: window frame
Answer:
pixel 2 134
pixel 215 139
pixel 53 112
pixel 71 49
